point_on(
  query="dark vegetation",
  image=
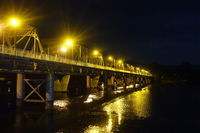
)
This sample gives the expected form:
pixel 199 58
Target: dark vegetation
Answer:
pixel 182 72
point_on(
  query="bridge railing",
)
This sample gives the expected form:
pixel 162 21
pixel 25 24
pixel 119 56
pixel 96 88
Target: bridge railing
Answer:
pixel 59 59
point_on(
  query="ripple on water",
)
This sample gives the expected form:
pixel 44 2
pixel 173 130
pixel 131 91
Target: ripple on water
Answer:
pixel 133 106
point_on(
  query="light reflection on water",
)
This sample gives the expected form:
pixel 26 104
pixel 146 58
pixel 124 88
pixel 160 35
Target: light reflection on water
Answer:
pixel 61 104
pixel 135 105
pixel 141 102
pixel 94 96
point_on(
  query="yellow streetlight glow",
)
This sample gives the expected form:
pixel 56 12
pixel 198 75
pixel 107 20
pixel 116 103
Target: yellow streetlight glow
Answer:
pixel 110 58
pixel 69 42
pixel 120 61
pixel 14 22
pixel 63 49
pixel 96 52
pixel 138 68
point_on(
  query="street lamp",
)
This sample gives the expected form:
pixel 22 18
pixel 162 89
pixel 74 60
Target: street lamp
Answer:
pixel 70 44
pixel 120 62
pixel 110 58
pixel 95 52
pixel 113 60
pixel 14 22
pixel 63 49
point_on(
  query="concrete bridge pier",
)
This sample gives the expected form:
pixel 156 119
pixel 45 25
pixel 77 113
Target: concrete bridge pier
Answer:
pixel 105 85
pixel 120 81
pixel 92 83
pixel 111 82
pixel 49 90
pixel 137 82
pixel 61 85
pixel 125 83
pixel 88 83
pixel 20 89
pixel 129 81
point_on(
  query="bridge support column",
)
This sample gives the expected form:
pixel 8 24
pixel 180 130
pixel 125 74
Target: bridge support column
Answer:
pixel 142 81
pixel 88 84
pixel 124 83
pixel 105 85
pixel 49 90
pixel 20 91
pixel 129 83
pixel 111 81
pixel 62 85
pixel 137 85
pixel 94 82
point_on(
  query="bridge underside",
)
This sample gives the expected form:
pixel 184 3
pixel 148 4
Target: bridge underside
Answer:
pixel 37 80
pixel 15 64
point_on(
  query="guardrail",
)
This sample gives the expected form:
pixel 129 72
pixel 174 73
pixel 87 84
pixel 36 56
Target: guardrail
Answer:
pixel 59 59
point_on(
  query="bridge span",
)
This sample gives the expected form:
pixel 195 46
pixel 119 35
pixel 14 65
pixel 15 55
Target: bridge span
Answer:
pixel 78 72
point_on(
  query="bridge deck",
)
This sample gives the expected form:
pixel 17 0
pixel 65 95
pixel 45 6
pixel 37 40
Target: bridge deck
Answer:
pixel 59 59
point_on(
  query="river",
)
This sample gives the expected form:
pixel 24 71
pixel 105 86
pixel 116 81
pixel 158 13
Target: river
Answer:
pixel 157 108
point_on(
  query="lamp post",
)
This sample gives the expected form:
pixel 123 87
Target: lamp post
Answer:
pixel 70 44
pixel 112 60
pixel 120 62
pixel 96 53
pixel 64 49
pixel 14 22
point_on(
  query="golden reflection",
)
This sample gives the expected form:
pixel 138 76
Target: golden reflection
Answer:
pixel 94 96
pixel 93 129
pixel 109 125
pixel 61 104
pixel 135 104
pixel 141 102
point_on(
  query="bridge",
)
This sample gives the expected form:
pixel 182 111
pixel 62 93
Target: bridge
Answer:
pixel 67 67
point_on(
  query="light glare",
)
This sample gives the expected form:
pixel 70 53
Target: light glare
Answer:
pixel 110 58
pixel 69 42
pixel 120 61
pixel 14 22
pixel 63 49
pixel 96 52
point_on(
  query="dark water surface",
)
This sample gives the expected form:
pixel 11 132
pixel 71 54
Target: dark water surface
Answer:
pixel 168 108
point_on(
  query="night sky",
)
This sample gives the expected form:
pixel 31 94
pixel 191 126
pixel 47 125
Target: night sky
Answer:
pixel 143 31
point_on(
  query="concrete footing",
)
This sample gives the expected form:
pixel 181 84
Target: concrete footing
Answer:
pixel 20 90
pixel 50 87
pixel 20 86
pixel 49 91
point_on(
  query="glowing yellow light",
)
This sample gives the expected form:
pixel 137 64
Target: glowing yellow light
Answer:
pixel 110 58
pixel 69 42
pixel 93 129
pixel 95 52
pixel 63 49
pixel 141 102
pixel 14 22
pixel 138 68
pixel 120 61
